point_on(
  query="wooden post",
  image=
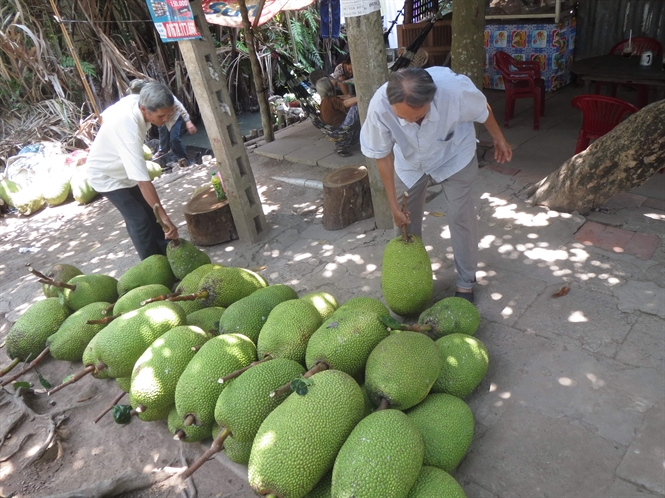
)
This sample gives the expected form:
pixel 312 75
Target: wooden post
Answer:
pixel 212 94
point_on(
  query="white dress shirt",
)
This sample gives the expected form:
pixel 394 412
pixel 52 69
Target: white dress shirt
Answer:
pixel 442 144
pixel 116 159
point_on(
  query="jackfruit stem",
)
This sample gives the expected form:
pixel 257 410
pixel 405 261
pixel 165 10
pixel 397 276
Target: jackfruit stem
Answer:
pixel 189 420
pixel 216 446
pixel 405 233
pixel 103 321
pixel 76 378
pixel 155 209
pixel 164 297
pixel 108 309
pixel 179 435
pixel 190 297
pixel 55 283
pixel 10 367
pixel 237 373
pixel 383 405
pixel 115 401
pixel 319 367
pixel 32 365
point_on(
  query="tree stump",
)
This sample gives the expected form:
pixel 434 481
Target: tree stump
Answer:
pixel 346 197
pixel 209 220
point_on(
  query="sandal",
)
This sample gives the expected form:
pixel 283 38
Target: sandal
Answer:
pixel 344 152
pixel 469 296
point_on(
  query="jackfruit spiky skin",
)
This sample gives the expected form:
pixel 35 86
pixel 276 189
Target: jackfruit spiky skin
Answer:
pixel 206 318
pixel 244 405
pixel 71 339
pixel 133 299
pixel 297 442
pixel 90 289
pixel 366 303
pixel 193 433
pixel 446 424
pixel 125 339
pixel 198 388
pixel 322 488
pixel 60 273
pixel 406 276
pixel 465 362
pixel 124 383
pixel 185 257
pixel 154 269
pixel 237 451
pixel 402 368
pixel 322 301
pixel 156 372
pixel 288 329
pixel 451 315
pixel 248 315
pixel 27 337
pixel 345 340
pixel 90 358
pixel 435 483
pixel 228 284
pixel 190 282
pixel 381 457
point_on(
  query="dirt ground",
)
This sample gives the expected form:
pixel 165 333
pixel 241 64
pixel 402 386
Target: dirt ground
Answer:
pixel 81 453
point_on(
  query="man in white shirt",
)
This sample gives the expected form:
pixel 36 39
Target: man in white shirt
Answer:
pixel 420 126
pixel 117 169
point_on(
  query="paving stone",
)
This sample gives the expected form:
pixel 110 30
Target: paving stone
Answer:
pixel 624 200
pixel 643 461
pixel 617 240
pixel 658 204
pixel 310 154
pixel 280 148
pixel 643 296
pixel 645 344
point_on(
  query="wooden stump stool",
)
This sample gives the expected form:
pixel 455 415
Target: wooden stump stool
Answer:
pixel 209 220
pixel 346 197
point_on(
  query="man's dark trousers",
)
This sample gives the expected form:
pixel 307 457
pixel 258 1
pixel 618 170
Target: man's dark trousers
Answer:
pixel 146 234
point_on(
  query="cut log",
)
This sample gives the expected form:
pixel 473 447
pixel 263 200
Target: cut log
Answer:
pixel 209 220
pixel 346 197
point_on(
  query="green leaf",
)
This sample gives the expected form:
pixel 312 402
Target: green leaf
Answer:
pixel 24 385
pixel 122 414
pixel 45 383
pixel 390 322
pixel 299 386
pixel 68 378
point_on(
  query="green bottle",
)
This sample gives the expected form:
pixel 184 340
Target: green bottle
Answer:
pixel 217 184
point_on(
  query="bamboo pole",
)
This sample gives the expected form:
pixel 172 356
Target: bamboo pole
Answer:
pixel 294 47
pixel 68 40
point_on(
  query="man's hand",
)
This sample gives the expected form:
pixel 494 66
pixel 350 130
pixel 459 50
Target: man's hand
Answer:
pixel 400 218
pixel 502 150
pixel 191 129
pixel 172 233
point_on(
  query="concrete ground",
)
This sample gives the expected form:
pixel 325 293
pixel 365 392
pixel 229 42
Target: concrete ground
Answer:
pixel 573 404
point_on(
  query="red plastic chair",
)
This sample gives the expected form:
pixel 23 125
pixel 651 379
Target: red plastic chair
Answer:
pixel 600 115
pixel 639 45
pixel 521 80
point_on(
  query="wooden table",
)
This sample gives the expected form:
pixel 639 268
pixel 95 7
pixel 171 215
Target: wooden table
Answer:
pixel 618 69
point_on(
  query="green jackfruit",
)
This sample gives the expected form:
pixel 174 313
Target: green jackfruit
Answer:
pixel 189 433
pixel 198 388
pixel 322 489
pixel 7 188
pixel 243 406
pixel 366 303
pixel 446 424
pixel 124 340
pixel 297 443
pixel 406 276
pixel 288 329
pixel 237 451
pixel 154 169
pixel 435 483
pixel 381 457
pixel 451 315
pixel 154 269
pixel 402 368
pixel 345 340
pixel 124 383
pixel 90 289
pixel 71 339
pixel 132 300
pixel 190 284
pixel 248 315
pixel 226 285
pixel 60 273
pixel 27 337
pixel 465 362
pixel 81 188
pixel 322 301
pixel 57 189
pixel 158 369
pixel 185 257
pixel 28 200
pixel 147 153
pixel 207 319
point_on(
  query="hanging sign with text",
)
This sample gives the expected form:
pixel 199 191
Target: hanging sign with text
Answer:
pixel 173 20
pixel 355 8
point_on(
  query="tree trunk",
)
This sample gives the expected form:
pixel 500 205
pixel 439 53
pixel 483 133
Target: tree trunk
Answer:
pixel 468 49
pixel 257 74
pixel 619 161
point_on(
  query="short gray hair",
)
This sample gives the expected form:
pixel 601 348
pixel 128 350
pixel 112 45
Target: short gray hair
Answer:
pixel 325 88
pixel 135 86
pixel 414 86
pixel 155 96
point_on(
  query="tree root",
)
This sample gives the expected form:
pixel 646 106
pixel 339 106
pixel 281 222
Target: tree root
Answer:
pixel 54 423
pixel 124 483
pixel 18 448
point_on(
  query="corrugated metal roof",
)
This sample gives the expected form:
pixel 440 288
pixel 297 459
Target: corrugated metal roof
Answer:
pixel 603 23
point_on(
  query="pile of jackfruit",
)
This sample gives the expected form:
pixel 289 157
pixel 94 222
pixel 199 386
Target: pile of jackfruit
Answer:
pixel 317 399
